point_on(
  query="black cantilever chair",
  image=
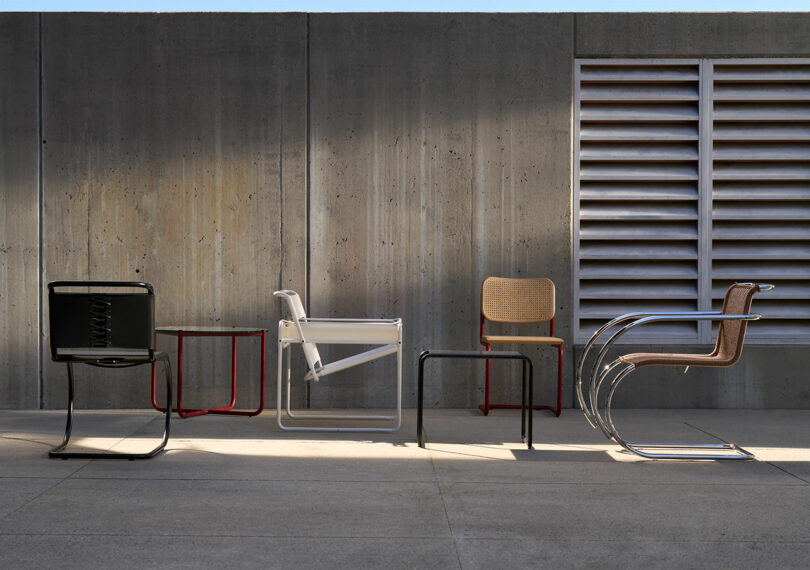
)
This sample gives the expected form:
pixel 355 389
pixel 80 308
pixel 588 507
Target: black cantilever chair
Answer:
pixel 110 330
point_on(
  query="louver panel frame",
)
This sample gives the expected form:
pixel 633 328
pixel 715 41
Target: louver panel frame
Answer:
pixel 690 174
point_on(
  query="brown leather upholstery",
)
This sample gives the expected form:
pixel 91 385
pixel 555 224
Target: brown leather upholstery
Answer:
pixel 730 336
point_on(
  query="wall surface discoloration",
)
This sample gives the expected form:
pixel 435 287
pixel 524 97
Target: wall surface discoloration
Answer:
pixel 381 165
pixel 175 146
pixel 440 155
pixel 19 211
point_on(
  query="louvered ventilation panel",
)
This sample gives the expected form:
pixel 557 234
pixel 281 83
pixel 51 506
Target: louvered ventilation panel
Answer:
pixel 636 224
pixel 761 189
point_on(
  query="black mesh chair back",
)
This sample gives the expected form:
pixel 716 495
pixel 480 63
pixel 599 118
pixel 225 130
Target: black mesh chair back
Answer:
pixel 104 323
pixel 84 323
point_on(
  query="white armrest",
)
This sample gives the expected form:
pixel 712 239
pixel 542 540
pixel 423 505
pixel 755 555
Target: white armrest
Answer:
pixel 342 331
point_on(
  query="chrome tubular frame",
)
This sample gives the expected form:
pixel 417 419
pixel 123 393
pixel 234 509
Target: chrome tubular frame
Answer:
pixel 599 375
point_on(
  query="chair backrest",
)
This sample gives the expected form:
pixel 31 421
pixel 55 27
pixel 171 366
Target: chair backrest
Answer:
pixel 731 334
pixel 516 301
pixel 298 314
pixel 83 321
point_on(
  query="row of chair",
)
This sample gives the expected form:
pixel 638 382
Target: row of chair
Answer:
pixel 115 330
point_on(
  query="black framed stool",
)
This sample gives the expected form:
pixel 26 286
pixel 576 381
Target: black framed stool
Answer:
pixel 527 392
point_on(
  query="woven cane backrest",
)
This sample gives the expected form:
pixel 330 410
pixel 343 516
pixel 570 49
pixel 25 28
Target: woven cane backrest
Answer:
pixel 731 334
pixel 508 300
pixel 82 320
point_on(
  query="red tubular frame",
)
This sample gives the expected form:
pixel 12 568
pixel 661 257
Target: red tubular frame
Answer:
pixel 486 406
pixel 224 410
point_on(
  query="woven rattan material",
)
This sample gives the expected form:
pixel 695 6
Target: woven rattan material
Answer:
pixel 547 340
pixel 506 300
pixel 730 336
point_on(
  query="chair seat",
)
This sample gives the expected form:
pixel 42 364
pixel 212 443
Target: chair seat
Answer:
pixel 546 340
pixel 90 353
pixel 354 360
pixel 640 359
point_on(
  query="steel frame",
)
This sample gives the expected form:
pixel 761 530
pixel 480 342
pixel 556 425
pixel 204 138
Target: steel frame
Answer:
pixel 599 375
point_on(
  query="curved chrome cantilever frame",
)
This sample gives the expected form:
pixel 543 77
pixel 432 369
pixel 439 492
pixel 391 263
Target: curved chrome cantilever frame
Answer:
pixel 590 406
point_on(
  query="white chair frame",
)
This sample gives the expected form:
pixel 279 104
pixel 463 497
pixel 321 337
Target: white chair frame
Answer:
pixel 308 332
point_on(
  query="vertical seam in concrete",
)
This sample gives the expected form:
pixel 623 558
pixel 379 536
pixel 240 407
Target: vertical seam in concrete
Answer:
pixel 308 172
pixel 281 198
pixel 308 175
pixel 41 190
pixel 574 35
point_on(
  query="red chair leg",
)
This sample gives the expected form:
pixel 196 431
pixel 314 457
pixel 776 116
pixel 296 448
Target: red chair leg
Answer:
pixel 485 406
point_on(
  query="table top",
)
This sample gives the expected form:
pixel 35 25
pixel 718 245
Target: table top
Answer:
pixel 202 330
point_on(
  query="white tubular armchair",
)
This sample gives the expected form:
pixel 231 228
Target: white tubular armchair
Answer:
pixel 309 332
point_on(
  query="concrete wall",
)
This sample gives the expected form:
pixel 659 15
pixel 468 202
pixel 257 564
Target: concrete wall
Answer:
pixel 440 155
pixel 384 163
pixel 174 152
pixel 19 211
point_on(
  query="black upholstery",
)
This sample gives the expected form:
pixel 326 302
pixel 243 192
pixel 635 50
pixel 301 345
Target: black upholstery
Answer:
pixel 91 322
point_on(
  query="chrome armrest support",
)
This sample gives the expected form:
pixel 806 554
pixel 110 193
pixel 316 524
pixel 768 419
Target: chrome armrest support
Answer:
pixel 590 412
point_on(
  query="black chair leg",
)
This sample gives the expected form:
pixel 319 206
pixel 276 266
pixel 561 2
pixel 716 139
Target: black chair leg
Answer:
pixel 57 451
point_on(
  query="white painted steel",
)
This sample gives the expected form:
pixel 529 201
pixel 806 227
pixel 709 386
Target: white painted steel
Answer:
pixel 308 332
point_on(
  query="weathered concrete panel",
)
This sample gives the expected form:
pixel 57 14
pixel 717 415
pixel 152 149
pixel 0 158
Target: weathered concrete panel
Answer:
pixel 440 155
pixel 175 154
pixel 734 34
pixel 19 211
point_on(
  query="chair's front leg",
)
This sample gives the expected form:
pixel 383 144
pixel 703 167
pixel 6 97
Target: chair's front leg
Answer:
pixel 419 398
pixel 69 422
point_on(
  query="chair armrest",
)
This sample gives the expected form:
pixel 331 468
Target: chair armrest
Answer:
pixel 609 325
pixel 342 331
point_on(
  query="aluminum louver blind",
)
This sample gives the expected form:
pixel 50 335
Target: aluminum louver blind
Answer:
pixel 636 193
pixel 690 175
pixel 761 189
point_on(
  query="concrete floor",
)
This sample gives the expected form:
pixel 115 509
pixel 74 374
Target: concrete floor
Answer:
pixel 236 491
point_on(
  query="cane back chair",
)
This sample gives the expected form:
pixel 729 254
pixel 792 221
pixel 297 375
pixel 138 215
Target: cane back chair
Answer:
pixel 514 302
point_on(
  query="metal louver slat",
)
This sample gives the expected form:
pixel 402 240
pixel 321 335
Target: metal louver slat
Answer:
pixel 689 175
pixel 636 160
pixel 761 188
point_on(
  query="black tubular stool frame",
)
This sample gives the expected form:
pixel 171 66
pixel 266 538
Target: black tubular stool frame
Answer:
pixel 527 392
pixel 107 330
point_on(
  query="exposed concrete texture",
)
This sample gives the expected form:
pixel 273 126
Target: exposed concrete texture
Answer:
pixel 734 34
pixel 19 211
pixel 440 155
pixel 176 149
pixel 175 154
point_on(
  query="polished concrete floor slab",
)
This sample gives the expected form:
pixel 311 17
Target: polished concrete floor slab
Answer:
pixel 238 491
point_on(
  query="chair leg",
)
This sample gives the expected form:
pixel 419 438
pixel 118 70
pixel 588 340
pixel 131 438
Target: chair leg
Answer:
pixel 395 419
pixel 689 451
pixel 486 406
pixel 57 451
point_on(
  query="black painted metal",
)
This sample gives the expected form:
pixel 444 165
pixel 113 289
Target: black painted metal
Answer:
pixel 124 321
pixel 527 391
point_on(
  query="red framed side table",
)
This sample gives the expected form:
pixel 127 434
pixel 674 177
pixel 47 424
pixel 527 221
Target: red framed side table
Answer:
pixel 181 332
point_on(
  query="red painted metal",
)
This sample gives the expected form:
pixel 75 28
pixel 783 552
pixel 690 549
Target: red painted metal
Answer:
pixel 487 406
pixel 224 410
